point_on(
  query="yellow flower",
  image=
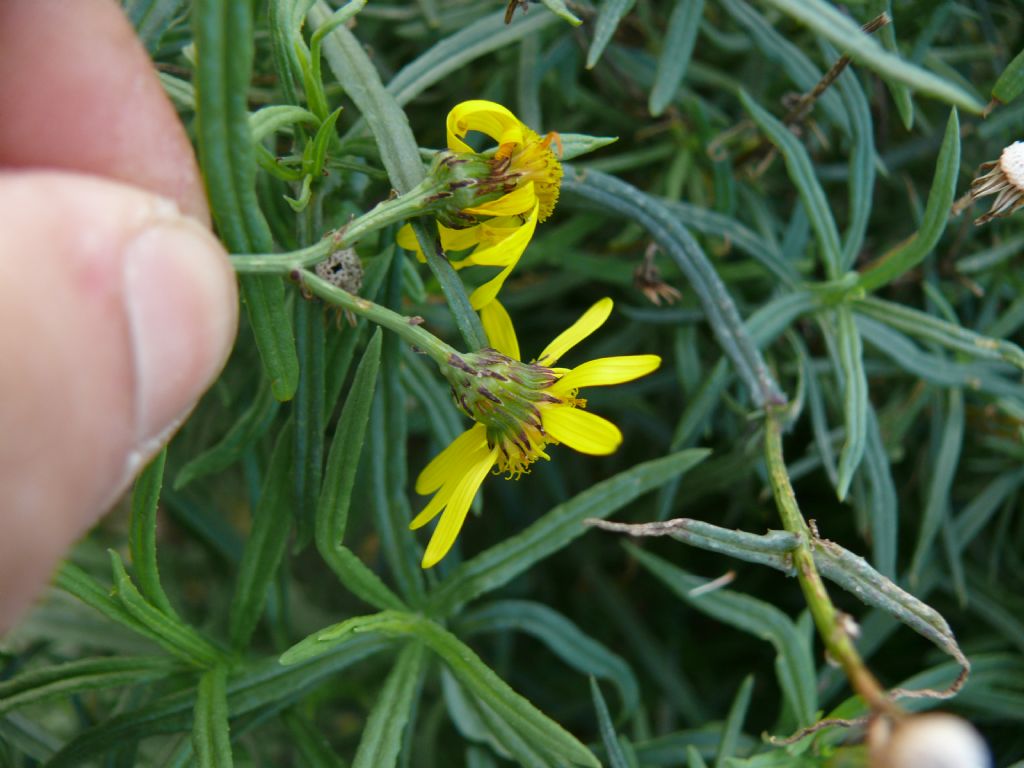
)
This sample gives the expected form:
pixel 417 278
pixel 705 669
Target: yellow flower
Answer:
pixel 520 409
pixel 522 157
pixel 498 242
pixel 517 187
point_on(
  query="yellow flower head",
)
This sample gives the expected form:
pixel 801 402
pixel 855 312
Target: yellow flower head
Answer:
pixel 519 409
pixel 522 160
pixel 499 196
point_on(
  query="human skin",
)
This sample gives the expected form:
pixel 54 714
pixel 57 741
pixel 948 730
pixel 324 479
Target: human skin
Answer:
pixel 118 307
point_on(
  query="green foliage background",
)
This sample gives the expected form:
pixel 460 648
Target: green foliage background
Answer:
pixel 540 641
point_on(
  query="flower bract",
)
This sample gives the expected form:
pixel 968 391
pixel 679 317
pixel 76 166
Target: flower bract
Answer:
pixel 519 409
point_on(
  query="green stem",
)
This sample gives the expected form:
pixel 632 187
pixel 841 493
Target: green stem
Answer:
pixel 415 202
pixel 406 327
pixel 831 626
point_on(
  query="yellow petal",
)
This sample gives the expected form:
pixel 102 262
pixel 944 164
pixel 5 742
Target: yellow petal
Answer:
pixel 488 292
pixel 486 117
pixel 518 201
pixel 607 370
pixel 502 251
pixel 435 505
pixel 459 239
pixel 581 430
pixel 498 326
pixel 407 239
pixel 455 513
pixel 591 320
pixel 451 460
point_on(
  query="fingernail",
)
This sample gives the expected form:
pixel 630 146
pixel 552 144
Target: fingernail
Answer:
pixel 181 302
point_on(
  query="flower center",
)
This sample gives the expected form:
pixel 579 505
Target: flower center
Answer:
pixel 508 397
pixel 535 161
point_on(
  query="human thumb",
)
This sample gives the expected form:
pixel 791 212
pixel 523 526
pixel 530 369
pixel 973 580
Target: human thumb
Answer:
pixel 116 313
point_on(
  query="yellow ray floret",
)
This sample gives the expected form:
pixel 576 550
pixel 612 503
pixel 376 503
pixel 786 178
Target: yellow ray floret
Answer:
pixel 519 409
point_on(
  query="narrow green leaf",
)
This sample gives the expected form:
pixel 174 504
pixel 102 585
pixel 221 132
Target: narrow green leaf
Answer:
pixel 210 737
pixel 789 58
pixel 84 588
pixel 913 251
pixel 336 496
pixel 388 468
pixel 466 319
pixel 269 120
pixel 940 478
pixel 314 749
pixel 561 636
pixel 827 21
pixel 382 736
pixel 887 34
pixel 308 417
pixel 271 521
pixel 478 679
pixel 60 680
pixel 764 251
pixel 28 736
pixel 1010 84
pixel 263 684
pixel 882 504
pixel 760 619
pixel 388 123
pixel 801 173
pixel 346 448
pixel 501 563
pixel 561 10
pixel 862 161
pixel 576 144
pixel 950 335
pixel 676 49
pixel 169 631
pixel 977 376
pixel 454 52
pixel 142 534
pixel 855 399
pixel 604 722
pixel 694 759
pixel 224 54
pixel 325 134
pixel 615 195
pixel 253 422
pixel 535 727
pixel 478 722
pixel 734 723
pixel 609 15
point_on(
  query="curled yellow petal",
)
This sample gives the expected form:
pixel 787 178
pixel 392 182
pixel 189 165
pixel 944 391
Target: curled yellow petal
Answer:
pixel 488 292
pixel 504 245
pixel 581 430
pixel 606 371
pixel 460 239
pixel 407 239
pixel 515 202
pixel 498 326
pixel 451 460
pixel 458 505
pixel 591 320
pixel 487 117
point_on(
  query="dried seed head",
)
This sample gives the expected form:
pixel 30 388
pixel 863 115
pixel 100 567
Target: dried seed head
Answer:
pixel 342 269
pixel 1003 178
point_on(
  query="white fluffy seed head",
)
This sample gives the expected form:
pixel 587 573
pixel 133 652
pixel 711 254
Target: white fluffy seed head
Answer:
pixel 1011 163
pixel 936 740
